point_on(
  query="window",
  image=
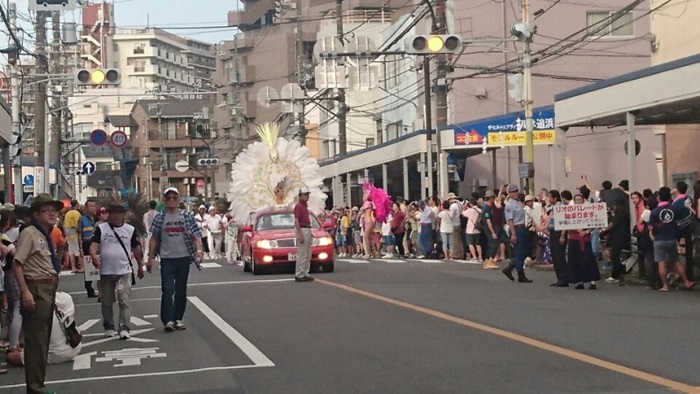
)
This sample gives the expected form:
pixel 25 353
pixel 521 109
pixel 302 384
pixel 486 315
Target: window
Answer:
pixel 369 142
pixel 610 24
pixel 171 130
pixel 139 66
pixel 140 49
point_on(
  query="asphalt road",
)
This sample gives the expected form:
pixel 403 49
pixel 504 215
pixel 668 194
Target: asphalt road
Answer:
pixel 388 327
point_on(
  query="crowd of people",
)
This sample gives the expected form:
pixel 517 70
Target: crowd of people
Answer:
pixel 493 227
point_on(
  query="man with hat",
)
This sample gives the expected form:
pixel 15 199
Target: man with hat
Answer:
pixel 515 217
pixel 112 257
pixel 36 269
pixel 457 251
pixel 302 222
pixel 177 239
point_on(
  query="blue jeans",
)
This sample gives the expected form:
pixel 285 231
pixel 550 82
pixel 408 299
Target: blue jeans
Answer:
pixel 520 249
pixel 426 239
pixel 173 283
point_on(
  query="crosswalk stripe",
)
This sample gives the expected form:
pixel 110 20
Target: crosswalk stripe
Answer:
pixel 432 261
pixel 210 265
pixel 353 261
pixel 393 261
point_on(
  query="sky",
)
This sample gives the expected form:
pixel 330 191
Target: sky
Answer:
pixel 205 20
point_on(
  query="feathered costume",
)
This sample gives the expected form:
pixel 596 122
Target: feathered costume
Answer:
pixel 274 163
pixel 137 206
pixel 378 200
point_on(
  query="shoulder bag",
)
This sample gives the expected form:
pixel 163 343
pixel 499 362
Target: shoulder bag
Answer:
pixel 128 256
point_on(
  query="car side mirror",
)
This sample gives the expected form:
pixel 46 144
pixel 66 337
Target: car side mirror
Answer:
pixel 247 228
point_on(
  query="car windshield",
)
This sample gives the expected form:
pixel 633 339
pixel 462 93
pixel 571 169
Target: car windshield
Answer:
pixel 280 221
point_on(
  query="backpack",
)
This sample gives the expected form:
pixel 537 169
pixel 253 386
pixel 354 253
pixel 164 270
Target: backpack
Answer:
pixel 685 216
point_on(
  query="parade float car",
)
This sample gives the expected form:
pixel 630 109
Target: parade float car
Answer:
pixel 268 242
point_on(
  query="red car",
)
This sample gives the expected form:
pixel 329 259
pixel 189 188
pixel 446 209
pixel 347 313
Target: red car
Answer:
pixel 268 241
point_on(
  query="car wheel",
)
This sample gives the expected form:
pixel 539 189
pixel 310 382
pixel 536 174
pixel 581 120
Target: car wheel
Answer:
pixel 246 266
pixel 256 268
pixel 329 267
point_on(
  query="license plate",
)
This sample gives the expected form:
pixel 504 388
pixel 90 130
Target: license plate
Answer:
pixel 291 256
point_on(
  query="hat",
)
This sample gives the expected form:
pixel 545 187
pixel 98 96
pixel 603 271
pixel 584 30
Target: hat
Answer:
pixel 116 207
pixel 171 189
pixel 529 197
pixel 451 196
pixel 202 207
pixel 513 189
pixel 304 190
pixel 355 209
pixel 8 206
pixel 102 211
pixel 489 194
pixel 212 207
pixel 45 199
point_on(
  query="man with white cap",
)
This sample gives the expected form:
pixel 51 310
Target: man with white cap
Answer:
pixel 302 222
pixel 455 213
pixel 176 238
pixel 201 218
pixel 215 227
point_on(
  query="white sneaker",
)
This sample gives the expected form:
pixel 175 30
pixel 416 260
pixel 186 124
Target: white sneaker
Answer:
pixel 110 333
pixel 612 280
pixel 124 334
pixel 169 326
pixel 388 256
pixel 179 325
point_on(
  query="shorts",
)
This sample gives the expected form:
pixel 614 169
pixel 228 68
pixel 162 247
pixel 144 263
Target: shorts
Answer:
pixel 446 241
pixel 73 247
pixel 340 240
pixel 666 251
pixel 388 240
pixel 349 239
pixel 474 239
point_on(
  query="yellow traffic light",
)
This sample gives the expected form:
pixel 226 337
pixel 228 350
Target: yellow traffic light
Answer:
pixel 97 77
pixel 434 44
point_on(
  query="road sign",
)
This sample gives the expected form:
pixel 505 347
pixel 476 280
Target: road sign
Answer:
pixel 28 180
pixel 98 137
pixel 28 189
pixel 182 166
pixel 89 168
pixel 118 139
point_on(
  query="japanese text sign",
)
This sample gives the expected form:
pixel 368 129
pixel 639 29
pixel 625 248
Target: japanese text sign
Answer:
pixel 580 216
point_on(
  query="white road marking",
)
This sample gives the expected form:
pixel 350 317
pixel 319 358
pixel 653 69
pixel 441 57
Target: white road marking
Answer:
pixel 103 340
pixel 83 361
pixel 131 300
pixel 66 273
pixel 150 316
pixel 353 261
pixel 210 265
pixel 139 322
pixel 255 355
pixel 431 261
pixel 233 282
pixel 474 262
pixel 139 375
pixel 393 261
pixel 89 323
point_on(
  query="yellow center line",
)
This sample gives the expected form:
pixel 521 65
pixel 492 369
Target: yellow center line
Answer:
pixel 641 375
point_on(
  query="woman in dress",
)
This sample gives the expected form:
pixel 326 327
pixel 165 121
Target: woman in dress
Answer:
pixel 582 261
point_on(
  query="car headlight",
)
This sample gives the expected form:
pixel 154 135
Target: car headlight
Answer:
pixel 324 241
pixel 266 244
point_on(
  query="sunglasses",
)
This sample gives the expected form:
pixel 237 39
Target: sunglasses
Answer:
pixel 172 198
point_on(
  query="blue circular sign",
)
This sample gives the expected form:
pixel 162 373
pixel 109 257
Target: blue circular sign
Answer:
pixel 98 137
pixel 89 168
pixel 28 180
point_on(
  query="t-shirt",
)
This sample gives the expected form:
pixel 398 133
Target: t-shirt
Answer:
pixel 497 217
pixel 34 255
pixel 301 213
pixel 455 212
pixel 214 224
pixel 202 223
pixel 427 216
pixel 113 258
pixel 664 222
pixel 70 223
pixel 173 243
pixel 445 222
pixel 472 214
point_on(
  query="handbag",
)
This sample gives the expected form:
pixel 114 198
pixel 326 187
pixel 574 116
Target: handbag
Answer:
pixel 73 336
pixel 128 256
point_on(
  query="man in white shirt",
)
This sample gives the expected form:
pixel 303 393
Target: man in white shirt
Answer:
pixel 215 226
pixel 110 254
pixel 201 219
pixel 455 215
pixel 148 220
pixel 231 239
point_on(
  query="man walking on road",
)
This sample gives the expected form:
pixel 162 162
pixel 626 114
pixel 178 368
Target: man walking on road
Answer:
pixel 515 217
pixel 36 269
pixel 110 254
pixel 178 241
pixel 302 222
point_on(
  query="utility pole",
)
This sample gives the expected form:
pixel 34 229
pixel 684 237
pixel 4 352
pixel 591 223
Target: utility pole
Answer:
pixel 441 98
pixel 40 132
pixel 300 72
pixel 55 147
pixel 342 108
pixel 527 96
pixel 16 131
pixel 428 116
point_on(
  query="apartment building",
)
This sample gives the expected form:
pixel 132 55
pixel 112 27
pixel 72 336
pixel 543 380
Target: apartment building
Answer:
pixel 154 59
pixel 169 131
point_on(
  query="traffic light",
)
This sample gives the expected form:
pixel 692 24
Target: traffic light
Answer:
pixel 208 162
pixel 435 44
pixel 98 77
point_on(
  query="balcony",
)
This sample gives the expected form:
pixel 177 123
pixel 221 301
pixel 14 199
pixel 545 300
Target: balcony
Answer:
pixel 181 141
pixel 144 70
pixel 245 75
pixel 247 18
